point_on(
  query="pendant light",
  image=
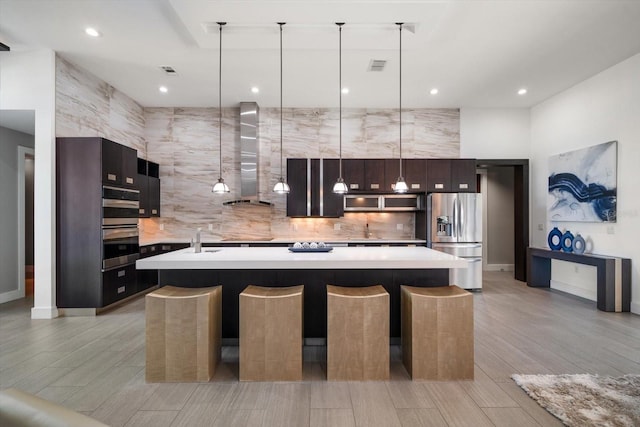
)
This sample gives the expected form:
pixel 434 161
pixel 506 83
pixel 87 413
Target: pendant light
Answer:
pixel 220 187
pixel 281 186
pixel 401 185
pixel 340 187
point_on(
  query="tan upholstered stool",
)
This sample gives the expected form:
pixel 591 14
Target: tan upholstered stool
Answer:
pixel 271 328
pixel 357 333
pixel 437 333
pixel 183 333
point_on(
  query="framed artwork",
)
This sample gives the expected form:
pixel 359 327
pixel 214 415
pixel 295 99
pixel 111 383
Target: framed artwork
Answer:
pixel 583 184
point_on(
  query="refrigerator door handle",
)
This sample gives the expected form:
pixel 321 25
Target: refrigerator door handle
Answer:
pixel 454 226
pixel 461 214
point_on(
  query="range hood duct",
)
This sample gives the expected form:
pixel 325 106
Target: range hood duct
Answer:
pixel 249 157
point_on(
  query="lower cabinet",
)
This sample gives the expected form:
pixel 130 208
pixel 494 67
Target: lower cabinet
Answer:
pixel 118 283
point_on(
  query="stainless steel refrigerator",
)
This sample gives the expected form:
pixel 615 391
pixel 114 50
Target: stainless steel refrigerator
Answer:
pixel 455 227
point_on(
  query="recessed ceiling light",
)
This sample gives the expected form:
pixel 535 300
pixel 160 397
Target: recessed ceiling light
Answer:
pixel 163 89
pixel 255 89
pixel 92 32
pixel 434 91
pixel 345 90
pixel 522 91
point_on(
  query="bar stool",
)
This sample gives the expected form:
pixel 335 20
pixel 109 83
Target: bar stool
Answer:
pixel 357 333
pixel 437 332
pixel 183 333
pixel 271 329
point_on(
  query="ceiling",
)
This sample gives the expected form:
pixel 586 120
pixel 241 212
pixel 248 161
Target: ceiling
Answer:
pixel 477 53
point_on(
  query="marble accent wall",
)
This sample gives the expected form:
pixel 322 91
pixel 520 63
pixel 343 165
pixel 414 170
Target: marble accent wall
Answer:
pixel 184 141
pixel 88 106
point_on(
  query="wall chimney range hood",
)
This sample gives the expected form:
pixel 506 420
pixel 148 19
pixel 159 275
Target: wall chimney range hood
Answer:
pixel 249 157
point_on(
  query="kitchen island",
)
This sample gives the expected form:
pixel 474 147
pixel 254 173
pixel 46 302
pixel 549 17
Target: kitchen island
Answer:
pixel 236 268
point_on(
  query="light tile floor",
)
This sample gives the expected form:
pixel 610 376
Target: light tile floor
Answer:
pixel 95 365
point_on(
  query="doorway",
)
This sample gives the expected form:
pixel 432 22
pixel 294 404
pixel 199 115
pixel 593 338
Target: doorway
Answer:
pixel 510 180
pixel 26 167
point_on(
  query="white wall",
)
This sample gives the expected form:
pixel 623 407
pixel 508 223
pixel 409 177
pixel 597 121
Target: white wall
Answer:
pixel 603 108
pixel 9 142
pixel 495 133
pixel 27 82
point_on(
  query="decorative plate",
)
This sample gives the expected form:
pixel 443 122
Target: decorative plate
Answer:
pixel 325 249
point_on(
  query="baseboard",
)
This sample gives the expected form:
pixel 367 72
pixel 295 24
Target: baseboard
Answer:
pixel 10 296
pixel 591 295
pixel 635 308
pixel 44 312
pixel 499 267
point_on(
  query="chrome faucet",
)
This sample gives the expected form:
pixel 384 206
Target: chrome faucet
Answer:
pixel 367 232
pixel 197 246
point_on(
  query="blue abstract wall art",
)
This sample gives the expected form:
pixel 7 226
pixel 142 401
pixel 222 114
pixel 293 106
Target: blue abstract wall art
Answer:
pixel 583 184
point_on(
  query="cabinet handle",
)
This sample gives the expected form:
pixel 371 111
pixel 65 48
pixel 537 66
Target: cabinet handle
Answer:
pixel 154 211
pixel 439 186
pixel 121 273
pixel 129 180
pixel 464 186
pixel 375 186
pixel 354 186
pixel 112 177
pixel 141 211
pixel 415 186
pixel 121 289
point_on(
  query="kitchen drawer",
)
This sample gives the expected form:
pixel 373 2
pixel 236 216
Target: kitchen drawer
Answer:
pixel 118 283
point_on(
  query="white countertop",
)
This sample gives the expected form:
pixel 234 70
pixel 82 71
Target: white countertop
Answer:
pixel 145 242
pixel 264 258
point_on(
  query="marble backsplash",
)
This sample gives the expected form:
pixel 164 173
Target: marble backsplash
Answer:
pixel 184 141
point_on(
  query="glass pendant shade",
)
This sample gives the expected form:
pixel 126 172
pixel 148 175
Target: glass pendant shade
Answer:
pixel 340 187
pixel 220 187
pixel 401 186
pixel 281 187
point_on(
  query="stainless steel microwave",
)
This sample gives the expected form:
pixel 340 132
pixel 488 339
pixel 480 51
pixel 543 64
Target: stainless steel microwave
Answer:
pixel 383 202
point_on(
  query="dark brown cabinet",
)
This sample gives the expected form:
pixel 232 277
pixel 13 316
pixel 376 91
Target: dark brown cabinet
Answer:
pixel 413 172
pixel 374 175
pixel 119 164
pixel 311 182
pixel 149 186
pixel 353 174
pixel 89 183
pixel 451 175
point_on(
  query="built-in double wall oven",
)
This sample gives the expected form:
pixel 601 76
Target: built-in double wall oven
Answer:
pixel 120 238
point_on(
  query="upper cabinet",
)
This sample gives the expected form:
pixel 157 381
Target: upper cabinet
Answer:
pixel 311 182
pixel 451 175
pixel 119 164
pixel 353 174
pixel 413 171
pixel 148 179
pixel 374 178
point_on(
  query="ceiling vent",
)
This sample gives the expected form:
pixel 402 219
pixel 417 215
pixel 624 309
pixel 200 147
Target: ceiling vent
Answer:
pixel 377 65
pixel 168 70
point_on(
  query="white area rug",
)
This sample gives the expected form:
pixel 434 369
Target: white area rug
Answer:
pixel 586 400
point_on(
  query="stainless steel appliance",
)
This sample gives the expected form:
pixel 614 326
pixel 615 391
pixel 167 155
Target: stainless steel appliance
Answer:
pixel 455 227
pixel 120 238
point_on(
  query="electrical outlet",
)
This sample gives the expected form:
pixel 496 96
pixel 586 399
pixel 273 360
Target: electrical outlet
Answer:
pixel 210 227
pixel 336 226
pixel 540 227
pixel 295 227
pixel 161 227
pixel 611 229
pixel 399 226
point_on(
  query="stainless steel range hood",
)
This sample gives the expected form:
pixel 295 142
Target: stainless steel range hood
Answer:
pixel 249 157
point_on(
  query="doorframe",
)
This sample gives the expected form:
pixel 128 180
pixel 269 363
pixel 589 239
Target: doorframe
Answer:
pixel 483 191
pixel 520 211
pixel 23 152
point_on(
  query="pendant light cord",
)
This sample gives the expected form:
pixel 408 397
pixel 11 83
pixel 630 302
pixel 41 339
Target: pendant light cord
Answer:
pixel 220 98
pixel 400 97
pixel 340 24
pixel 281 24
